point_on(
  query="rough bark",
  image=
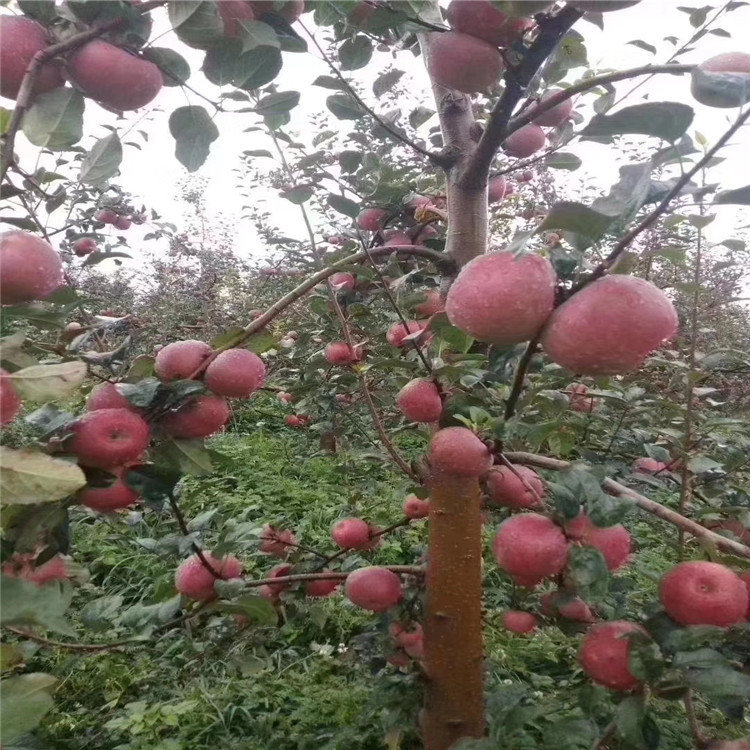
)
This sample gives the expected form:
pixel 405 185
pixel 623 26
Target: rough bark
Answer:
pixel 454 704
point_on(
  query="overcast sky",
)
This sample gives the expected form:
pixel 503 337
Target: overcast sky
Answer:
pixel 152 174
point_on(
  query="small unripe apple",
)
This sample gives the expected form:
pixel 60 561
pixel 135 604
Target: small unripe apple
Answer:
pixel 612 541
pixel 343 282
pixel 29 268
pixel 525 141
pixel 704 593
pixel 415 507
pixel 22 39
pixel 106 396
pixel 277 542
pixel 57 568
pixel 84 246
pixel 198 417
pixel 501 298
pixel 285 397
pixel 195 581
pixel 458 451
pixel 496 188
pixel 10 401
pixel 373 588
pixel 351 533
pixel 399 239
pixel 399 331
pixel 722 81
pixel 108 437
pixel 340 353
pixel 323 587
pixel 419 401
pixel 530 547
pixel 525 176
pixel 579 401
pixel 106 499
pixel 279 571
pixel 235 373
pixel 575 609
pixel 555 116
pixel 519 622
pixel 605 654
pixel 463 62
pixel 180 359
pixel 293 420
pixel 505 486
pixel 371 219
pixel 113 76
pixel 432 305
pixel 409 639
pixel 610 326
pixel 648 465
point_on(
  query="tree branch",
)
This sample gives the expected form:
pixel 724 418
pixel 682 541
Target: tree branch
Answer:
pixel 520 376
pixel 552 28
pixel 643 502
pixel 434 158
pixel 331 575
pixel 611 260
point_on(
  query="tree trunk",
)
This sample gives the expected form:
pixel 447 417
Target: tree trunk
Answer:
pixel 454 704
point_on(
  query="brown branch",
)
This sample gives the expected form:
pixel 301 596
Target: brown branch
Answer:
pixel 331 575
pixel 643 502
pixel 434 158
pixel 552 28
pixel 26 90
pixel 520 376
pixel 185 532
pixel 73 646
pixel 611 260
pixel 521 478
pixel 699 739
pixel 600 743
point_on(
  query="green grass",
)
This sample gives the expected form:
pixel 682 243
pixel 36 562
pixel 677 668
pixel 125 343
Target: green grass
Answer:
pixel 320 679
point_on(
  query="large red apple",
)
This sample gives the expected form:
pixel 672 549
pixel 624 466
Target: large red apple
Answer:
pixel 501 298
pixel 555 116
pixel 113 76
pixel 481 19
pixel 612 541
pixel 610 326
pixel 530 547
pixel 704 593
pixel 463 62
pixel 29 268
pixel 525 141
pixel 458 451
pixel 232 12
pixel 373 588
pixel 198 417
pixel 106 499
pixel 519 622
pixel 235 373
pixel 722 81
pixel 180 359
pixel 106 396
pixel 605 654
pixel 195 581
pixel 22 38
pixel 351 533
pixel 419 401
pixel 108 437
pixel 519 487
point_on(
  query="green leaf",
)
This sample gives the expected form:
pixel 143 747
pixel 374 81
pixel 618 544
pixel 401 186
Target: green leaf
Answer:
pixel 49 382
pixel 667 120
pixel 635 726
pixel 642 45
pixel 628 194
pixel 386 81
pixel 563 160
pixel 142 393
pixel 197 24
pixel 172 64
pixel 575 217
pixel 102 161
pixel 100 613
pixel 329 82
pixel 260 342
pixel 344 107
pixel 282 101
pixel 588 570
pixel 343 205
pixel 257 609
pixel 257 34
pixel 300 194
pixel 24 700
pixel 25 603
pixel 194 131
pixel 55 120
pixel 28 476
pixel 40 10
pixel 153 482
pixel 355 53
pixel 419 116
pixel 189 456
pixel 739 196
pixel 260 66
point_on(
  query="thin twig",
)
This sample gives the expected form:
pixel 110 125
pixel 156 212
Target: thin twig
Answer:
pixel 185 532
pixel 73 646
pixel 611 260
pixel 332 575
pixel 699 739
pixel 609 732
pixel 520 376
pixel 651 506
pixel 435 158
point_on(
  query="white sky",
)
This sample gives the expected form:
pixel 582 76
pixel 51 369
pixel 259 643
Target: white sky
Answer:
pixel 152 174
